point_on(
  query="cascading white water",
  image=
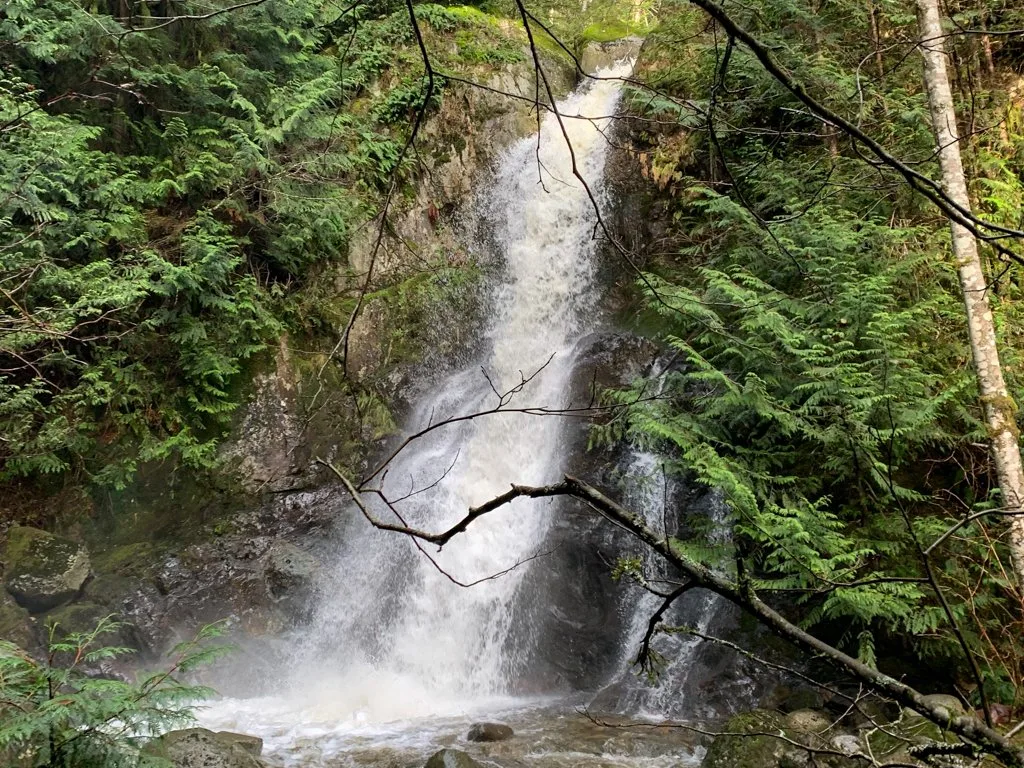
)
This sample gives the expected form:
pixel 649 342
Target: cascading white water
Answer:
pixel 650 494
pixel 394 638
pixel 439 644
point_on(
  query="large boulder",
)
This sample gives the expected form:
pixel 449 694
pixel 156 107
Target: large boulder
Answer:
pixel 202 748
pixel 451 758
pixel 44 570
pixel 489 732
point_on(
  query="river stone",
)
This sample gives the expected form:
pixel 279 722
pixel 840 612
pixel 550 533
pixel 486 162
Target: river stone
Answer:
pixel 489 732
pixel 43 570
pixel 202 748
pixel 846 743
pixel 451 758
pixel 807 721
pixel 951 703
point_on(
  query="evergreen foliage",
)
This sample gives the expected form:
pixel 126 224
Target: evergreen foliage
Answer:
pixel 822 378
pixel 168 188
pixel 53 714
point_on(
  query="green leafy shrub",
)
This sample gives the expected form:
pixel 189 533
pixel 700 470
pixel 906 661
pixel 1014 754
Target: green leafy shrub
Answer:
pixel 54 715
pixel 822 378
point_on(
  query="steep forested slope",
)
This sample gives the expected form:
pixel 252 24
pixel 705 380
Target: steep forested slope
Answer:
pixel 825 380
pixel 179 185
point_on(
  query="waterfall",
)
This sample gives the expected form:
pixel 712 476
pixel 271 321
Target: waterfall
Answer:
pixel 397 655
pixel 393 637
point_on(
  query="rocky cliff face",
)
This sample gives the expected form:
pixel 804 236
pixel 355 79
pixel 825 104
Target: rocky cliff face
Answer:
pixel 178 548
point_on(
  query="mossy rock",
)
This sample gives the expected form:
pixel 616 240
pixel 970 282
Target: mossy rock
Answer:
pixel 44 570
pixel 910 729
pixel 138 558
pixel 739 747
pixel 16 624
pixel 807 721
pixel 202 748
pixel 736 748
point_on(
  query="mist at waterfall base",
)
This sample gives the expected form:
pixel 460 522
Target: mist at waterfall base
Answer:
pixel 397 656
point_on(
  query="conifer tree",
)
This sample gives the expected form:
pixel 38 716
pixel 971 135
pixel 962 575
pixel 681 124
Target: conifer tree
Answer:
pixel 999 407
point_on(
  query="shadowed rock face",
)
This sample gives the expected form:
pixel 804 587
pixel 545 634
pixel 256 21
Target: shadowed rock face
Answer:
pixel 16 623
pixel 43 570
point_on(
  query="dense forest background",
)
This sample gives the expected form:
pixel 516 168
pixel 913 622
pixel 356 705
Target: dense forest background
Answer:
pixel 178 181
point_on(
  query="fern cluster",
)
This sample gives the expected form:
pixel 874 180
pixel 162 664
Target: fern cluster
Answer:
pixel 822 377
pixel 163 213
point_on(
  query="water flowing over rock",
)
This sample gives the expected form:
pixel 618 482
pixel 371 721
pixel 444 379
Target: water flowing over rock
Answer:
pixel 44 570
pixel 394 636
pixel 601 56
pixel 386 597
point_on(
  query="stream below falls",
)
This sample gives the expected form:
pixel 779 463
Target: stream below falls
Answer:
pixel 398 660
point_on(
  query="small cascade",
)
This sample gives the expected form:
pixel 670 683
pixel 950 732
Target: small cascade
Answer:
pixel 656 497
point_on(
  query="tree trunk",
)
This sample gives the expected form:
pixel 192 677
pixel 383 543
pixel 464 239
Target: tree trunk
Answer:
pixel 999 408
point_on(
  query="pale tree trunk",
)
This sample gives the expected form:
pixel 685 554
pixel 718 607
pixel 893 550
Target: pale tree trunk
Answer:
pixel 999 408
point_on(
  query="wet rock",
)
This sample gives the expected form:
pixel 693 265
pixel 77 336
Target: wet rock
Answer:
pixel 289 569
pixel 202 748
pixel 44 570
pixel 251 744
pixel 602 55
pixel 807 721
pixel 291 574
pixel 451 758
pixel 489 732
pixel 84 616
pixel 16 623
